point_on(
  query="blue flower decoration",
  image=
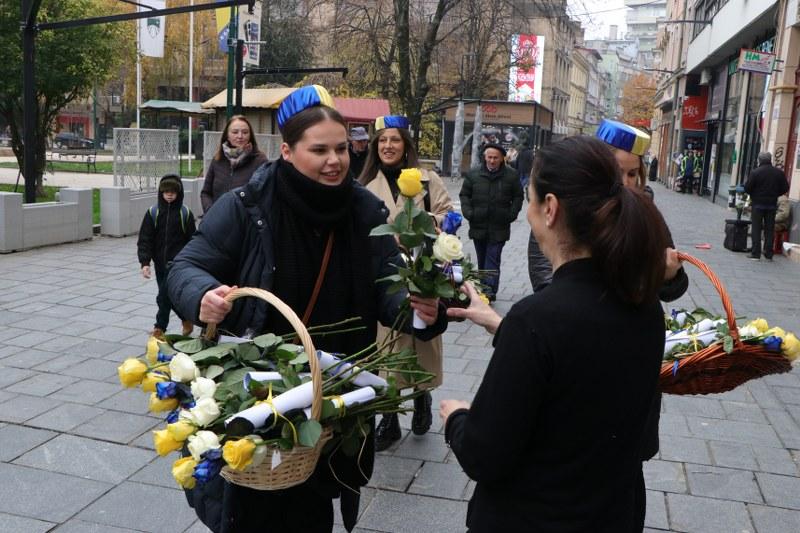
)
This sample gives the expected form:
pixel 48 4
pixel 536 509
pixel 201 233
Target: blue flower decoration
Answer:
pixel 164 358
pixel 213 454
pixel 452 221
pixel 166 389
pixel 206 470
pixel 773 343
pixel 188 403
pixel 674 314
pixel 172 416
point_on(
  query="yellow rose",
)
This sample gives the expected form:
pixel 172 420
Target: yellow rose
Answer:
pixel 164 442
pixel 157 405
pixel 760 324
pixel 790 346
pixel 131 372
pixel 484 298
pixel 150 380
pixel 447 248
pixel 238 453
pixel 181 430
pixel 776 331
pixel 182 471
pixel 410 182
pixel 152 350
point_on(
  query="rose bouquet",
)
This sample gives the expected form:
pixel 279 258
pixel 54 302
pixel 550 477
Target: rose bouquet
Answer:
pixel 435 263
pixel 241 402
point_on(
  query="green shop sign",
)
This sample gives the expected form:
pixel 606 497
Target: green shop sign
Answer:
pixel 755 61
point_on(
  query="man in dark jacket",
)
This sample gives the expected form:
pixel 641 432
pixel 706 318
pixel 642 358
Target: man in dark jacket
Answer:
pixel 491 198
pixel 524 165
pixel 764 185
pixel 166 228
pixel 359 149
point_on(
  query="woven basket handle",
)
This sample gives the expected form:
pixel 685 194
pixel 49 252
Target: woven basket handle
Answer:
pixel 302 334
pixel 726 301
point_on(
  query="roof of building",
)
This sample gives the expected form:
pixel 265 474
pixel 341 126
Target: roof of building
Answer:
pixel 175 106
pixel 362 109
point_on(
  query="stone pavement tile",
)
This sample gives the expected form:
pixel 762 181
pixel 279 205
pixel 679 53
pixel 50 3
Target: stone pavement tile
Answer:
pixel 116 426
pixel 458 382
pixel 7 351
pixel 42 384
pixel 128 401
pixel 97 369
pixel 94 348
pixel 692 406
pixel 86 458
pixel 166 509
pixel 785 426
pixel 366 497
pixel 75 328
pixel 158 471
pixel 673 424
pixel 145 440
pixel 664 476
pixel 775 460
pixel 389 512
pixel 28 339
pixel 110 333
pixel 440 480
pixel 59 363
pixel 104 305
pixel 684 449
pixel 478 369
pixel 9 376
pixel 16 440
pixel 45 495
pixel 65 417
pixel 780 491
pixel 787 394
pixel 428 447
pixel 774 520
pixel 744 412
pixel 22 407
pixel 733 431
pixel 39 322
pixel 80 526
pixel 61 343
pixel 12 317
pixel 4 396
pixel 478 353
pixel 62 311
pixel 27 358
pixel 127 308
pixel 394 473
pixel 199 527
pixel 86 391
pixel 695 514
pixel 656 514
pixel 733 455
pixel 723 483
pixel 480 340
pixel 451 364
pixel 16 524
pixel 790 379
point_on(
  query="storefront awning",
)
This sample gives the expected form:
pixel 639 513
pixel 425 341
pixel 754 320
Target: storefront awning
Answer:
pixel 252 98
pixel 362 109
pixel 175 106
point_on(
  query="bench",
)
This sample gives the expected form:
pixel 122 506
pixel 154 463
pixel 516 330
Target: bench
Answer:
pixel 66 155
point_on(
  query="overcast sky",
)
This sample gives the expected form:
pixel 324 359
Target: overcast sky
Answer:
pixel 602 14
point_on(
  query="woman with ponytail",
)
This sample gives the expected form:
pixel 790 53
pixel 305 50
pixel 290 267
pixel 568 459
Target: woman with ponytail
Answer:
pixel 555 434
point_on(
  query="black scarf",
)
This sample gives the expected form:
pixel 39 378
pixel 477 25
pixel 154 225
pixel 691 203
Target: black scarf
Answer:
pixel 307 212
pixel 392 173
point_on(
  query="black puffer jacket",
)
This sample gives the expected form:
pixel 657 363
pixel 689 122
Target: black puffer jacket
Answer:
pixel 222 177
pixel 161 239
pixel 490 202
pixel 765 184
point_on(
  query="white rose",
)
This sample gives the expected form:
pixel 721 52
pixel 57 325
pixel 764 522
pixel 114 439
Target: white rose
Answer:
pixel 201 442
pixel 182 369
pixel 203 388
pixel 204 411
pixel 749 331
pixel 447 248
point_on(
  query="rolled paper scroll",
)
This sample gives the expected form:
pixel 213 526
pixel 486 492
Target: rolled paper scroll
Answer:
pixel 356 397
pixel 257 416
pixel 332 365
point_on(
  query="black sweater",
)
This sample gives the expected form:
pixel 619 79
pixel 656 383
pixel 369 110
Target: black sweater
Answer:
pixel 554 437
pixel 765 184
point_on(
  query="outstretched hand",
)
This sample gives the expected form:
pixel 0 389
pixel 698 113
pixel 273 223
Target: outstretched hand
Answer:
pixel 427 308
pixel 478 311
pixel 213 306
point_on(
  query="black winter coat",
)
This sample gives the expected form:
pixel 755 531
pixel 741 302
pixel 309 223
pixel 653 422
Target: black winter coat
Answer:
pixel 221 177
pixel 491 201
pixel 160 240
pixel 765 184
pixel 555 433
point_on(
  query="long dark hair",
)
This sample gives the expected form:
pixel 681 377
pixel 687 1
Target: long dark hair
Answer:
pixel 220 154
pixel 622 227
pixel 294 128
pixel 372 164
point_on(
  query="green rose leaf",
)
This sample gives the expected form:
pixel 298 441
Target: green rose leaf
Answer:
pixel 411 240
pixel 267 341
pixel 300 359
pixel 236 376
pixel 214 371
pixel 213 354
pixel 189 346
pixel 248 352
pixel 445 290
pixel 727 343
pixel 308 433
pixel 287 352
pixel 383 229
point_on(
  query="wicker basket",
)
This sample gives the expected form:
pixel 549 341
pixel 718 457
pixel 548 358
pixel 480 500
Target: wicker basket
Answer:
pixel 711 370
pixel 295 465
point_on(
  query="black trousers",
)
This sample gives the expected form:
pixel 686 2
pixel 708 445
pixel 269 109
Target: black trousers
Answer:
pixel 162 299
pixel 763 219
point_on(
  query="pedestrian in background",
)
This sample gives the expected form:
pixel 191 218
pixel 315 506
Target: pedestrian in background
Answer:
pixel 236 159
pixel 358 148
pixel 391 150
pixel 764 185
pixel 491 198
pixel 166 228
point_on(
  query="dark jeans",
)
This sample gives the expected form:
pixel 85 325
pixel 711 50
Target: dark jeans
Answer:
pixel 162 299
pixel 489 259
pixel 763 219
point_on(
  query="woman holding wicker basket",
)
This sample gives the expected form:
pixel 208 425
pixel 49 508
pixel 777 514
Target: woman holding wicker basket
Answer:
pixel 555 434
pixel 299 228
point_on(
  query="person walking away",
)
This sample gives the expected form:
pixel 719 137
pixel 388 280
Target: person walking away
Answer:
pixel 653 170
pixel 687 172
pixel 491 198
pixel 166 228
pixel 391 150
pixel 235 161
pixel 359 149
pixel 764 185
pixel 554 435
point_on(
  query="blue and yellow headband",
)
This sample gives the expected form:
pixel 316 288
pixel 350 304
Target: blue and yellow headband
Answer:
pixel 624 137
pixel 391 121
pixel 301 99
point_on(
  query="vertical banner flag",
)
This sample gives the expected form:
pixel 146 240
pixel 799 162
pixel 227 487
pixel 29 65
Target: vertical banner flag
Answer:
pixel 151 31
pixel 223 15
pixel 250 32
pixel 525 74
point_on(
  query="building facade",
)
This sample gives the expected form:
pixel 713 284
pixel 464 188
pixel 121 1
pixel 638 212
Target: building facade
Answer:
pixel 642 19
pixel 578 86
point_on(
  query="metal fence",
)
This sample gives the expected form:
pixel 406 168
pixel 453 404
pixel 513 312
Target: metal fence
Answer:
pixel 269 144
pixel 143 156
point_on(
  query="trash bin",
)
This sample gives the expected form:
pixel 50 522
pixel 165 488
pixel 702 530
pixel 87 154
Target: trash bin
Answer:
pixel 736 235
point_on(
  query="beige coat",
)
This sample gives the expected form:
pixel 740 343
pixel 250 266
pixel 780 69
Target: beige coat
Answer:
pixel 429 354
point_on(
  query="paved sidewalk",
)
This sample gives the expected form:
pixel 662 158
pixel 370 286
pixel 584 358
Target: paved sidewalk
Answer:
pixel 76 449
